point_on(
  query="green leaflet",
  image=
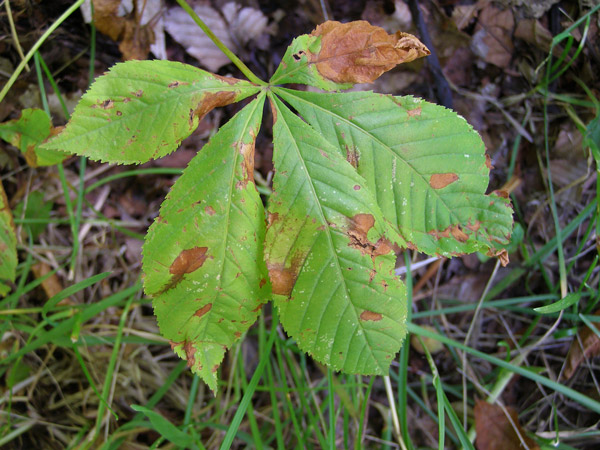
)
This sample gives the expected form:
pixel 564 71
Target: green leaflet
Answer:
pixel 203 260
pixel 27 133
pixel 142 110
pixel 330 254
pixel 8 245
pixel 425 164
pixel 295 68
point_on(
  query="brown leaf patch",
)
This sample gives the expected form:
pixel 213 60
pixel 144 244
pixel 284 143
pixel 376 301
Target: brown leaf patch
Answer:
pixel 209 210
pixel 247 152
pixel 188 261
pixel 206 308
pixel 370 315
pixel 441 180
pixel 360 225
pixel 414 112
pixel 496 432
pixel 586 345
pixel 212 100
pixel 282 279
pixel 453 230
pixel 352 156
pixel 358 52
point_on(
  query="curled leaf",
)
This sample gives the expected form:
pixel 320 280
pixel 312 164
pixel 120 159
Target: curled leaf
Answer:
pixel 358 52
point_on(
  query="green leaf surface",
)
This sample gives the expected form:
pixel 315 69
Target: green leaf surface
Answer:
pixel 425 164
pixel 142 110
pixel 8 245
pixel 203 260
pixel 330 254
pixel 27 133
pixel 295 67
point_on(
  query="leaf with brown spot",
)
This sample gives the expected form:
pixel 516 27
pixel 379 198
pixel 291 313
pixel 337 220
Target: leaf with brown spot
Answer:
pixel 441 180
pixel 370 315
pixel 27 133
pixel 428 171
pixel 498 431
pixel 330 254
pixel 188 261
pixel 337 55
pixel 119 108
pixel 202 258
pixel 201 311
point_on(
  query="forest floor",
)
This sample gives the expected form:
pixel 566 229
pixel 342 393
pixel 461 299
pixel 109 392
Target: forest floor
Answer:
pixel 525 75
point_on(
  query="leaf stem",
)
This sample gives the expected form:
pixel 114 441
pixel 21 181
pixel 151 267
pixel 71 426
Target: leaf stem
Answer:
pixel 234 59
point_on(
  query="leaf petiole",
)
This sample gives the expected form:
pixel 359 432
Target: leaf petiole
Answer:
pixel 234 59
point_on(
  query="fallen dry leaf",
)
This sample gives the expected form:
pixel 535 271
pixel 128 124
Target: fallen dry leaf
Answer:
pixel 496 432
pixel 235 27
pixel 137 25
pixel 52 284
pixel 585 345
pixel 492 40
pixel 358 52
pixel 432 345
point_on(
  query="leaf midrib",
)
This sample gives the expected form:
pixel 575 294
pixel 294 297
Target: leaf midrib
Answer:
pixel 119 120
pixel 332 249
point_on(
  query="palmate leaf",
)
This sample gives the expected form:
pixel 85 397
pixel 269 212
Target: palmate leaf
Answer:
pixel 8 245
pixel 330 254
pixel 142 110
pixel 425 164
pixel 203 260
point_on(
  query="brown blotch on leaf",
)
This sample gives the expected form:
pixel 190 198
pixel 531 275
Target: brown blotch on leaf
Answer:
pixel 188 261
pixel 190 353
pixel 454 231
pixel 352 156
pixel 459 234
pixel 175 84
pixel 360 225
pixel 358 52
pixel 247 152
pixel 229 80
pixel 206 308
pixel 501 193
pixel 209 210
pixel 370 315
pixel 414 112
pixel 488 162
pixel 138 93
pixel 107 104
pixel 441 180
pixel 356 187
pixel 212 100
pixel 282 279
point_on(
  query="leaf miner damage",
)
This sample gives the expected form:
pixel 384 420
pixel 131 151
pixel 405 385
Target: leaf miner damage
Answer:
pixel 359 227
pixel 441 180
pixel 358 52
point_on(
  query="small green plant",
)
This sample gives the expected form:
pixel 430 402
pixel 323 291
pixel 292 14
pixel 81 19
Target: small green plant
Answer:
pixel 358 176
